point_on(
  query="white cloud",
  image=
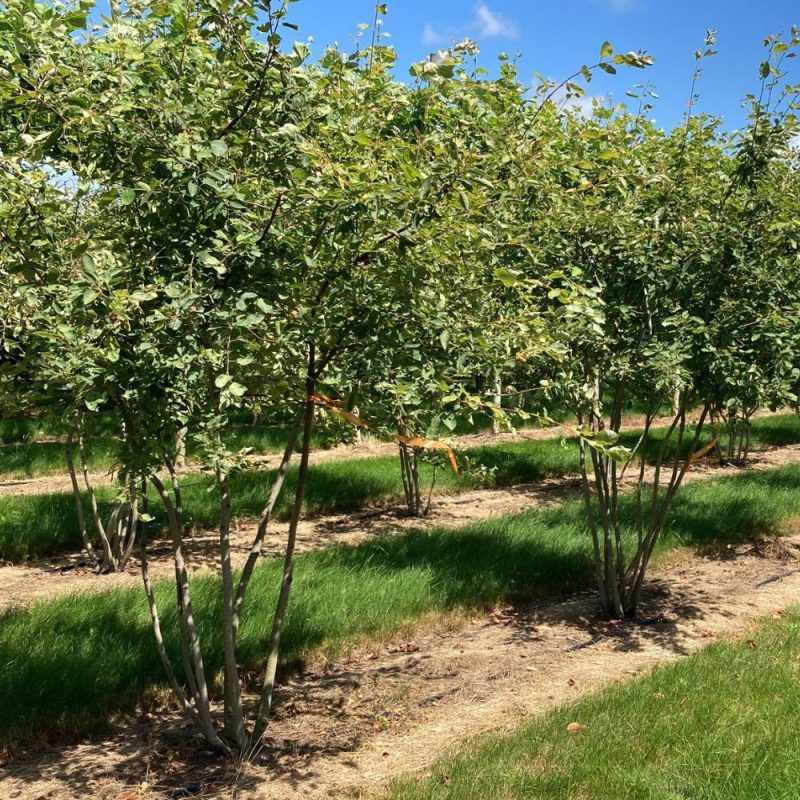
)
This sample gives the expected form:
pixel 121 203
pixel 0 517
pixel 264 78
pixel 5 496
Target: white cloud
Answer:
pixel 583 106
pixel 431 36
pixel 794 151
pixel 491 24
pixel 485 24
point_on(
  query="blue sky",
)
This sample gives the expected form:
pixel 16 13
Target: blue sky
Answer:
pixel 554 37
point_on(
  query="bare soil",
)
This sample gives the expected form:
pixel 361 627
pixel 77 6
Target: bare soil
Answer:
pixel 391 709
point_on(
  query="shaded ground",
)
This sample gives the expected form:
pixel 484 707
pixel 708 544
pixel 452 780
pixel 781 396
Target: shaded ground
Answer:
pixel 47 578
pixel 343 730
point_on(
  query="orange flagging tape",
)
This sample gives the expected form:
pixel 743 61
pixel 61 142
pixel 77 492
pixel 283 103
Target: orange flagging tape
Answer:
pixel 707 449
pixel 409 441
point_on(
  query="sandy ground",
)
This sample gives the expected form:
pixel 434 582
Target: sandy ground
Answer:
pixel 344 730
pixel 54 577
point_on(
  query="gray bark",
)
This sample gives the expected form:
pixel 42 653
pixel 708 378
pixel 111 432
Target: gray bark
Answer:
pixel 498 400
pixel 76 493
pixel 191 652
pixel 268 686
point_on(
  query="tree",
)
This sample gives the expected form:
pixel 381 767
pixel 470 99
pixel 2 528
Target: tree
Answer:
pixel 254 233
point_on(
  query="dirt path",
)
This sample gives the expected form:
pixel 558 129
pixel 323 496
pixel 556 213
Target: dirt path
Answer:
pixel 368 448
pixel 55 577
pixel 345 730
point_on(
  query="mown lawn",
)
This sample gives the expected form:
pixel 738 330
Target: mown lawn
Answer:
pixel 46 524
pixel 71 663
pixel 24 453
pixel 723 724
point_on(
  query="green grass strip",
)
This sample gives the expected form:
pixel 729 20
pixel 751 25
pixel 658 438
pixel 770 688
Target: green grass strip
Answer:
pixel 720 725
pixel 71 663
pixel 42 525
pixel 46 524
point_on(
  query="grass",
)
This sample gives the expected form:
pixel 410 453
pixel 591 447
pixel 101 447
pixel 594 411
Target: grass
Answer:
pixel 30 456
pixel 35 459
pixel 31 447
pixel 71 663
pixel 45 524
pixel 17 430
pixel 720 725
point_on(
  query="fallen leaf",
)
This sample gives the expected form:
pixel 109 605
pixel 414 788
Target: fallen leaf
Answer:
pixel 575 727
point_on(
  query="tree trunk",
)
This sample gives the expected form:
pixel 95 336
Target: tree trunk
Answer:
pixel 234 716
pixel 76 493
pixel 180 448
pixel 118 534
pixel 412 488
pixel 498 400
pixel 676 399
pixel 620 577
pixel 268 686
pixel 191 652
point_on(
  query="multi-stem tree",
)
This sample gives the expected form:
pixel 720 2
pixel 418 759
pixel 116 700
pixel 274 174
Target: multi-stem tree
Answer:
pixel 269 216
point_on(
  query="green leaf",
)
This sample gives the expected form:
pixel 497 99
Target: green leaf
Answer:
pixel 207 260
pixel 506 277
pixel 618 453
pixel 218 147
pixel 127 196
pixel 606 49
pixel 606 437
pixel 450 422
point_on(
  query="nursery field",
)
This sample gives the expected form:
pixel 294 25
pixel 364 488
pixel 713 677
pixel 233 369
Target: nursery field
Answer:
pixel 81 664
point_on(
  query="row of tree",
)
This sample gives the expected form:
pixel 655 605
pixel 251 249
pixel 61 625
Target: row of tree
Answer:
pixel 195 219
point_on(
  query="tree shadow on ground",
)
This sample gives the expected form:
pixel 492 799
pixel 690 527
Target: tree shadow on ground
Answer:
pixel 516 558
